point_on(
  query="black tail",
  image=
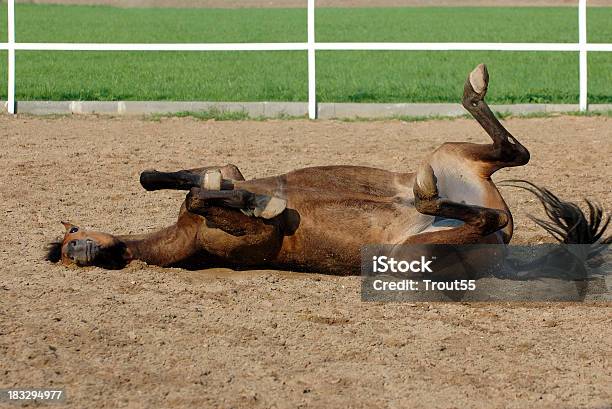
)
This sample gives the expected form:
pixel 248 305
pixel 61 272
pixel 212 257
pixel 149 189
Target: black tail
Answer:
pixel 567 223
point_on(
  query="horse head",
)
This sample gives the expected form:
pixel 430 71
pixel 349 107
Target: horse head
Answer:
pixel 83 247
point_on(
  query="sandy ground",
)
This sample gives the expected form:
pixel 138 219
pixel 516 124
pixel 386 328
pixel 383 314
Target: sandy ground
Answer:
pixel 324 3
pixel 152 337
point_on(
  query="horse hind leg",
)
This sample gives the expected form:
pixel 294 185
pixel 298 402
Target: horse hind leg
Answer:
pixel 477 221
pixel 216 177
pixel 506 150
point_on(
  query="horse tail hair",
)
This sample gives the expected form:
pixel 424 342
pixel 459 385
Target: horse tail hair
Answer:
pixel 566 220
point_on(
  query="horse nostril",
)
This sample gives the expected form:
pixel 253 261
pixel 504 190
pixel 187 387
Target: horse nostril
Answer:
pixel 73 243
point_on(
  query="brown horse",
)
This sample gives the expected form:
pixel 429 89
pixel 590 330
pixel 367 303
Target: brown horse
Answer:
pixel 319 218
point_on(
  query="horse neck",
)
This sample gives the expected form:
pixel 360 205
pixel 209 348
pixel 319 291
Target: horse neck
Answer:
pixel 163 247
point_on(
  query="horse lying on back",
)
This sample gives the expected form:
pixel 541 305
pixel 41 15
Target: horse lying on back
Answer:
pixel 319 218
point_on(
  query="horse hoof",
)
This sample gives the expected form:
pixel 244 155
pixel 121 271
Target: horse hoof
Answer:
pixel 479 80
pixel 148 179
pixel 212 180
pixel 269 207
pixel 426 183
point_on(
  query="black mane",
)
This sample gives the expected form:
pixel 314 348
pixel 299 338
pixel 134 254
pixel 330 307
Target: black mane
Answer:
pixel 54 251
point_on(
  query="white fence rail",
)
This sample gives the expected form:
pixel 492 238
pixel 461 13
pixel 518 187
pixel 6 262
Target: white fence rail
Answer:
pixel 311 46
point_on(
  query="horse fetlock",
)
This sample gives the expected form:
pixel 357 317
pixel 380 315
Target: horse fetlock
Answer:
pixel 212 180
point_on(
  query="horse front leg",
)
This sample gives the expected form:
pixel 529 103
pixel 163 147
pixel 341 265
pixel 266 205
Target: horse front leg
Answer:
pixel 251 204
pixel 231 234
pixel 216 177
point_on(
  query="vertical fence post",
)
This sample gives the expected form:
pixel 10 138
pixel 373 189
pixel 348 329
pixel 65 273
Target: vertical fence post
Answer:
pixel 312 82
pixel 10 103
pixel 582 39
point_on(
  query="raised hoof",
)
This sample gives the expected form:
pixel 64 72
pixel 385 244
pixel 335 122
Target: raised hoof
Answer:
pixel 268 207
pixel 212 180
pixel 479 80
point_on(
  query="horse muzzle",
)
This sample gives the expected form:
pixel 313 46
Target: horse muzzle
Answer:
pixel 82 252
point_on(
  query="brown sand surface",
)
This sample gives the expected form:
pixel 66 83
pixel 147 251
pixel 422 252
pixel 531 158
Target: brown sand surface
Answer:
pixel 152 337
pixel 325 3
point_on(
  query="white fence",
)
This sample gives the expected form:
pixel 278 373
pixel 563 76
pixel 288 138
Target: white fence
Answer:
pixel 582 47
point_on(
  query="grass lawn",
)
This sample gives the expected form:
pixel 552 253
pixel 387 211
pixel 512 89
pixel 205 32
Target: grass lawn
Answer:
pixel 281 76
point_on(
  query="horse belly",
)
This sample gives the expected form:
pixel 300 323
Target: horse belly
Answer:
pixel 331 237
pixel 459 184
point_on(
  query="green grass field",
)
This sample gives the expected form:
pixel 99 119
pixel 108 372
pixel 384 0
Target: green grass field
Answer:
pixel 281 76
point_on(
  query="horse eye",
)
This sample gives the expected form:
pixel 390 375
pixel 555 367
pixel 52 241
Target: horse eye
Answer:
pixel 73 230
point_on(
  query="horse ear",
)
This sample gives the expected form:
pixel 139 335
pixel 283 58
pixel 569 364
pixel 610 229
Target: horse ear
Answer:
pixel 67 225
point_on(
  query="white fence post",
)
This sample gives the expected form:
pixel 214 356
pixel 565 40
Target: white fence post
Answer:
pixel 312 77
pixel 10 103
pixel 582 40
